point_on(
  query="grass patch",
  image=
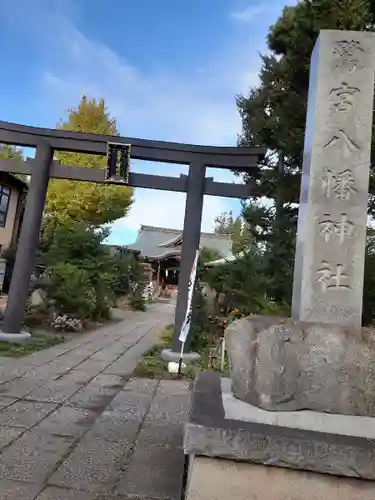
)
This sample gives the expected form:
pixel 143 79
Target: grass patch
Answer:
pixel 151 364
pixel 37 342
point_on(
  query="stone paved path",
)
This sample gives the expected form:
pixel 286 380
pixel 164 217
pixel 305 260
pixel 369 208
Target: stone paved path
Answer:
pixel 73 425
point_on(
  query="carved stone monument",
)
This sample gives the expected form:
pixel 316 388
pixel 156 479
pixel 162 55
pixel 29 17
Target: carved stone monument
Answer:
pixel 322 359
pixel 330 252
pixel 302 389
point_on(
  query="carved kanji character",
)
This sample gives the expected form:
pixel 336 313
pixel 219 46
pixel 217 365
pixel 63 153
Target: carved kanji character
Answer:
pixel 341 184
pixel 343 97
pixel 330 228
pixel 342 137
pixel 330 278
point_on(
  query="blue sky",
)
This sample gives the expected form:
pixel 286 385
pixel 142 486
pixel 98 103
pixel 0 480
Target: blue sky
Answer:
pixel 168 70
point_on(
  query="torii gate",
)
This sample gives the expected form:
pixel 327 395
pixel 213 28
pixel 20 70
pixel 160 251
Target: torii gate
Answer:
pixel 195 185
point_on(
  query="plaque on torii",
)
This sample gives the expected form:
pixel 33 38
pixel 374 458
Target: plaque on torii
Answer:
pixel 118 162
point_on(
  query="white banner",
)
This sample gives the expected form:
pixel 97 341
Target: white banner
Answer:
pixel 187 321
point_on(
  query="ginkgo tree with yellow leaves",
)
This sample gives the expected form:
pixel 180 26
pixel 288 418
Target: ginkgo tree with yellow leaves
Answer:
pixel 85 278
pixel 93 203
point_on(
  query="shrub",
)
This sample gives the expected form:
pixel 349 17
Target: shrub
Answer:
pixel 138 302
pixel 129 275
pixel 71 290
pixel 85 278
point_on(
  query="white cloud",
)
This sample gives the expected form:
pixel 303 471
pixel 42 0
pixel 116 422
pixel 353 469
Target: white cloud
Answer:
pixel 198 107
pixel 151 211
pixel 249 14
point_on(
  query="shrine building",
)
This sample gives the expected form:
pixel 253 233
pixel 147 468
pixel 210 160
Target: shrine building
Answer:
pixel 161 248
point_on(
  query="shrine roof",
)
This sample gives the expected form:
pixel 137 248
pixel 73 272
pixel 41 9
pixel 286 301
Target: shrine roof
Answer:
pixel 158 243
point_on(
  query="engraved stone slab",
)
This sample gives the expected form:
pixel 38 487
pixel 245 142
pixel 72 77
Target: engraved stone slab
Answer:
pixel 330 252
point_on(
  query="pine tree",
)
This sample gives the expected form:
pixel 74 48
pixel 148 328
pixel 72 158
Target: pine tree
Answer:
pixel 274 115
pixel 238 230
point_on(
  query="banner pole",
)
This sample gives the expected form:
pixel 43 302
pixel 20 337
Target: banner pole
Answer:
pixel 187 321
pixel 180 360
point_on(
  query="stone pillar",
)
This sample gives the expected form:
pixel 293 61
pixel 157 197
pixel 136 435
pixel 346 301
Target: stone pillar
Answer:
pixel 330 252
pixel 27 246
pixel 190 244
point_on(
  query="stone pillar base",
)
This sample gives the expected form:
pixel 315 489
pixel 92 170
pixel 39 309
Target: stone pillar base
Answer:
pixel 216 479
pixel 172 356
pixel 223 427
pixel 15 338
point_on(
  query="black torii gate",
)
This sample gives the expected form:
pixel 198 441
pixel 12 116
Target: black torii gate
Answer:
pixel 195 185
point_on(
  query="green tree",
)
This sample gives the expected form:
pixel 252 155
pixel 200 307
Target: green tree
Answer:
pixel 241 281
pixel 81 270
pixel 85 277
pixel 89 202
pixel 274 115
pixel 238 230
pixel 8 152
pixel 209 255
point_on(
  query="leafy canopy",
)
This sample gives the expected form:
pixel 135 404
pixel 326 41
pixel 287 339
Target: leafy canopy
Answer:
pixel 89 202
pixel 274 115
pixel 8 152
pixel 85 276
pixel 238 230
pixel 209 254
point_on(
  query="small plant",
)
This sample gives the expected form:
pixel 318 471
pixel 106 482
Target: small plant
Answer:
pixel 64 323
pixel 137 302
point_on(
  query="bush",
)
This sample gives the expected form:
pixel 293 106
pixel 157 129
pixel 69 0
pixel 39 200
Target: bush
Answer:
pixel 72 291
pixel 138 302
pixel 241 281
pixel 129 275
pixel 85 278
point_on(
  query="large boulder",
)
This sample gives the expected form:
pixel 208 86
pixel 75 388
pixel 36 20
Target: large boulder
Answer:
pixel 284 365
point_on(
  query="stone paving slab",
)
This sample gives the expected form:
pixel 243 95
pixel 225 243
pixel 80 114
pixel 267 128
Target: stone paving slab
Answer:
pixel 49 371
pixel 92 397
pixel 123 366
pixel 67 421
pixel 6 401
pixel 77 377
pixel 9 434
pixel 20 387
pixel 33 457
pixel 93 367
pixel 142 385
pixel 75 425
pixel 109 381
pixel 25 413
pixel 53 392
pixel 159 434
pixel 53 493
pixel 115 426
pixel 93 466
pixel 13 490
pixel 152 473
